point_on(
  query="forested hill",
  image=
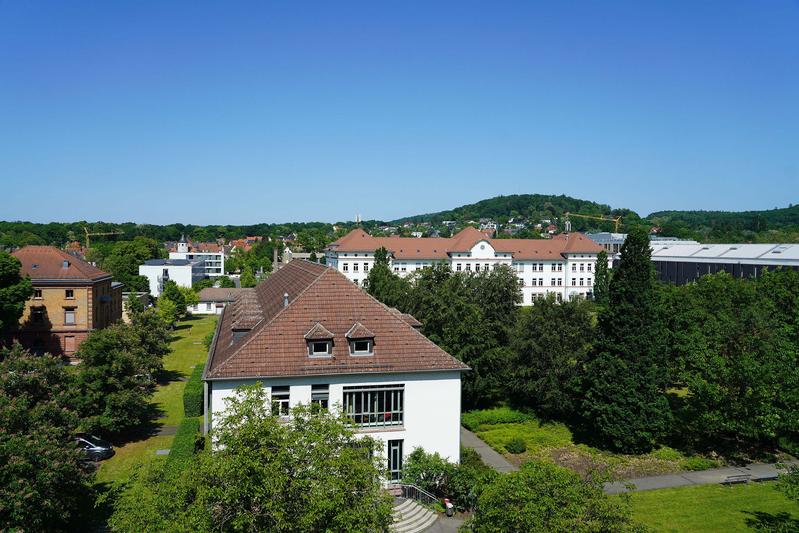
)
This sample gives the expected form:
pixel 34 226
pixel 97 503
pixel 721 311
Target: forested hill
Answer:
pixel 525 206
pixel 772 225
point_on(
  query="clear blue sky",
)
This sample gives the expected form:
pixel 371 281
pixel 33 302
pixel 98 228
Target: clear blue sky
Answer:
pixel 239 113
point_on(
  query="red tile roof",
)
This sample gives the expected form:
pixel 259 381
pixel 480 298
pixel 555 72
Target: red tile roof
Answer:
pixel 318 295
pixel 47 263
pixel 439 248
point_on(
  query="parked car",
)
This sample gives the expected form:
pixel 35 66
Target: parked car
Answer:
pixel 94 448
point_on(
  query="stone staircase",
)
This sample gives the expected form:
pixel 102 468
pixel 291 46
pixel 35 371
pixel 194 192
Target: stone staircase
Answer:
pixel 411 517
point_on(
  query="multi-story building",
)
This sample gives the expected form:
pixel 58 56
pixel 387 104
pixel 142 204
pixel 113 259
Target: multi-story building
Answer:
pixel 612 242
pixel 563 266
pixel 183 272
pixel 309 335
pixel 70 299
pixel 210 253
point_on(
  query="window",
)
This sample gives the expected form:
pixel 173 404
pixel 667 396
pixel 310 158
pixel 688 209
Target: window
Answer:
pixel 37 313
pixel 553 267
pixel 208 306
pixel 345 267
pixel 280 401
pixel 559 297
pixel 553 282
pixel 541 267
pixel 361 347
pixel 560 281
pixel 574 267
pixel 320 395
pixel 581 282
pixel 458 267
pixel 395 460
pixel 574 282
pixel 37 294
pixel 582 267
pixel 533 282
pixel 468 267
pixel 366 267
pixel 69 294
pixel 69 343
pixel 540 282
pixel 374 405
pixel 320 348
pixel 560 267
pixel 69 316
pixel 588 281
pixel 403 267
pixel 355 267
pixel 485 267
pixel 588 266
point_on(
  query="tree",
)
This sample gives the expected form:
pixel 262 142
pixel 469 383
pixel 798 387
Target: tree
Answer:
pixel 112 382
pixel 544 497
pixel 190 298
pixel 43 482
pixel 172 292
pixel 551 341
pixel 124 259
pixel 168 311
pixel 14 292
pixel 225 282
pixel 788 483
pixel 626 376
pixel 384 284
pixel 601 279
pixel 153 338
pixel 311 474
pixel 248 278
pixel 134 304
pixel 201 284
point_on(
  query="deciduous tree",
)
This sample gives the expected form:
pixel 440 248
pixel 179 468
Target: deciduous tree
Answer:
pixel 14 292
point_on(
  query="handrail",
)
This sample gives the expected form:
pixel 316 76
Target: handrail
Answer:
pixel 412 492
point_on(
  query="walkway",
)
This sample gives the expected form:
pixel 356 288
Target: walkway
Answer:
pixel 757 471
pixel 487 454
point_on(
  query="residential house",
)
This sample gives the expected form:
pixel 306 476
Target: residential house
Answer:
pixel 214 299
pixel 70 299
pixel 309 335
pixel 212 254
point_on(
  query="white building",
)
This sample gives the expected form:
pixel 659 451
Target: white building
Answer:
pixel 181 271
pixel 213 300
pixel 563 266
pixel 211 254
pixel 309 335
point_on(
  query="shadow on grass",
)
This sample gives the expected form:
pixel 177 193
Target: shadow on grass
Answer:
pixel 149 428
pixel 165 377
pixel 775 522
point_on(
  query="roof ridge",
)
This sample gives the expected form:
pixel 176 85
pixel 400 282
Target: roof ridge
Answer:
pixel 262 324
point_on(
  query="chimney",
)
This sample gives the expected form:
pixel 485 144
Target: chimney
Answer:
pixel 285 299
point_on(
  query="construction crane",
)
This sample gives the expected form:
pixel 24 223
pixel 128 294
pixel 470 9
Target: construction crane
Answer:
pixel 606 218
pixel 98 234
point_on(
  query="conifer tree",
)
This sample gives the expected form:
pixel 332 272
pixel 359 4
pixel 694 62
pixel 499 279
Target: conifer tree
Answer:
pixel 626 376
pixel 601 279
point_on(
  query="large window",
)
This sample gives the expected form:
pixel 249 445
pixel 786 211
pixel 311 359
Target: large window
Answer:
pixel 69 316
pixel 320 395
pixel 374 405
pixel 280 401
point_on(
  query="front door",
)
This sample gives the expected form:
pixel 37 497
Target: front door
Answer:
pixel 395 460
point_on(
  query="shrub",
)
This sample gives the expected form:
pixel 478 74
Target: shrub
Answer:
pixel 193 393
pixel 184 445
pixel 790 445
pixel 473 420
pixel 516 445
pixel 698 463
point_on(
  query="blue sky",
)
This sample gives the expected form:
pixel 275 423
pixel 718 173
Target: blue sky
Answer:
pixel 235 113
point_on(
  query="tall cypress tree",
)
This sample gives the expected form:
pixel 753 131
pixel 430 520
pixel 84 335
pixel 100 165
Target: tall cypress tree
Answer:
pixel 601 279
pixel 626 376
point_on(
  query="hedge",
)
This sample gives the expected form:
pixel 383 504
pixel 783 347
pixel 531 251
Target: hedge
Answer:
pixel 185 441
pixel 193 393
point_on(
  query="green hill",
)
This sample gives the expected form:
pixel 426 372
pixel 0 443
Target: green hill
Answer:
pixel 772 225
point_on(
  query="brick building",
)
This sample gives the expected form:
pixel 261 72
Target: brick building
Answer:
pixel 71 298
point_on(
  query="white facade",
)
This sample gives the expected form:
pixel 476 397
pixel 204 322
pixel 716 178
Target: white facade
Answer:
pixel 214 263
pixel 430 406
pixel 181 271
pixel 566 276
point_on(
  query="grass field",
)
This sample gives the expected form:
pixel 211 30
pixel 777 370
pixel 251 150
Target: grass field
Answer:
pixel 553 441
pixel 187 351
pixel 750 507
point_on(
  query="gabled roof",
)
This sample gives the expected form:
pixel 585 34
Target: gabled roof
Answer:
pixel 219 294
pixel 436 248
pixel 318 333
pixel 359 331
pixel 276 345
pixel 48 263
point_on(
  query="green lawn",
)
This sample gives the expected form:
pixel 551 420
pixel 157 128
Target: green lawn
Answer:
pixel 187 351
pixel 754 506
pixel 553 441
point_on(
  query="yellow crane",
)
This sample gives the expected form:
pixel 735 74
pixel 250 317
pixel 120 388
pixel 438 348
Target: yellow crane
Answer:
pixel 606 218
pixel 98 234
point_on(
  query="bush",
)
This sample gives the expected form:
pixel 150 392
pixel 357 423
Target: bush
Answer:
pixel 184 445
pixel 516 445
pixel 698 463
pixel 790 445
pixel 193 393
pixel 473 420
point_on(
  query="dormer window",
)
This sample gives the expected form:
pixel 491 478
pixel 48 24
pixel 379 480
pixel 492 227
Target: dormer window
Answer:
pixel 361 340
pixel 320 341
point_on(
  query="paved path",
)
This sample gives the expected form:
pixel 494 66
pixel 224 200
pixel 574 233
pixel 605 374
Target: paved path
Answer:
pixel 758 471
pixel 446 524
pixel 487 454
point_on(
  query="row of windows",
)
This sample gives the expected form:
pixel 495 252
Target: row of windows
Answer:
pixel 38 314
pixel 324 348
pixel 582 267
pixel 558 296
pixel 69 294
pixel 345 267
pixel 364 406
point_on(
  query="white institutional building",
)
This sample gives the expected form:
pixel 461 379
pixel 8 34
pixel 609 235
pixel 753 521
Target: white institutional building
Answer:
pixel 309 335
pixel 182 271
pixel 564 265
